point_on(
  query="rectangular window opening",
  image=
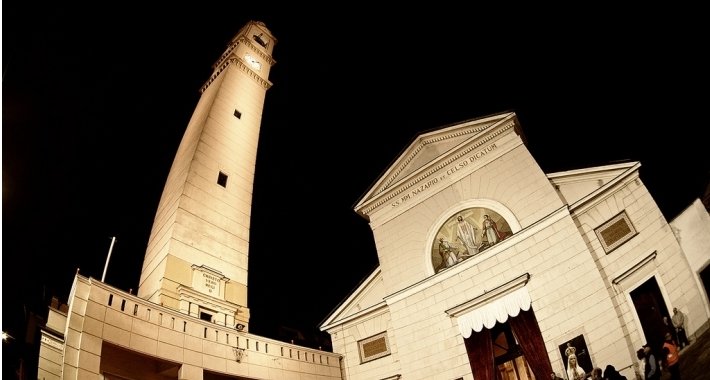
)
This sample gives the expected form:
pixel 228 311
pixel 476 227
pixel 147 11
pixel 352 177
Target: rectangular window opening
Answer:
pixel 110 299
pixel 205 316
pixel 135 309
pixel 237 114
pixel 123 305
pixel 184 326
pixel 222 179
pixel 205 335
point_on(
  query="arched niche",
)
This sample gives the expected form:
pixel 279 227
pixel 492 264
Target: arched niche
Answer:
pixel 466 230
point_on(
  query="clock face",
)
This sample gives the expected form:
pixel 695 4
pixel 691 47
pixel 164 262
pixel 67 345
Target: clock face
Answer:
pixel 252 61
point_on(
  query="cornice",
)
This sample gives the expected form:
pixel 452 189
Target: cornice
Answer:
pixel 421 146
pixel 371 312
pixel 236 61
pixel 247 42
pixel 422 176
pixel 257 50
pixel 489 295
pixel 594 198
pixel 188 293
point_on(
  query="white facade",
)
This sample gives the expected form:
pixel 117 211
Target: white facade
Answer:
pixel 577 246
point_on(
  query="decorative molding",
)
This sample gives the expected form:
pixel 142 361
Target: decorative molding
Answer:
pixel 615 232
pixel 487 296
pixel 374 347
pixel 257 50
pixel 634 268
pixel 239 354
pixel 421 146
pixel 592 199
pixel 438 167
pixel 213 77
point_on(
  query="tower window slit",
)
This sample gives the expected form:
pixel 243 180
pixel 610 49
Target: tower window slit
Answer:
pixel 184 326
pixel 123 305
pixel 110 299
pixel 205 336
pixel 222 179
pixel 135 309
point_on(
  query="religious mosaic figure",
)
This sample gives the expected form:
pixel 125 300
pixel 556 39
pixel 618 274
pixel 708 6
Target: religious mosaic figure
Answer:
pixel 466 233
pixel 463 236
pixel 490 231
pixel 449 254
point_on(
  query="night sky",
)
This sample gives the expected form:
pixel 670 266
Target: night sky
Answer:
pixel 95 103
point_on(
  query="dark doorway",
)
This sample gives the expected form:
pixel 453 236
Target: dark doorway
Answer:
pixel 705 278
pixel 651 308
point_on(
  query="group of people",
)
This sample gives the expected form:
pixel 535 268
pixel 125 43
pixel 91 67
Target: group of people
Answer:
pixel 675 339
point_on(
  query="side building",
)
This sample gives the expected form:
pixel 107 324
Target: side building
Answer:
pixel 190 319
pixel 489 267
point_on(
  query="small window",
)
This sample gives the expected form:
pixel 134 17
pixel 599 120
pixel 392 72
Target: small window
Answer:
pixel 205 316
pixel 123 305
pixel 237 114
pixel 110 299
pixel 135 309
pixel 222 179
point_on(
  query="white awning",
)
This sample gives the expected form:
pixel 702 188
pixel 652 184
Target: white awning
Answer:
pixel 494 311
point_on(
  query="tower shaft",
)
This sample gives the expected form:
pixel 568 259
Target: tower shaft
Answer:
pixel 197 255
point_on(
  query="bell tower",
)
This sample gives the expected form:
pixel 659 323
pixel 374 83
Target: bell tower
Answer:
pixel 197 256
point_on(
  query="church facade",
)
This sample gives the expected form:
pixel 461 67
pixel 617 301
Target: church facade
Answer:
pixel 491 268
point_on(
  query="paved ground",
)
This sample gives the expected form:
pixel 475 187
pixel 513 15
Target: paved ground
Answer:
pixel 694 360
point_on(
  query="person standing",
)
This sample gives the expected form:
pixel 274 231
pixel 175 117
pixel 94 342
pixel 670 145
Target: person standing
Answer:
pixel 668 327
pixel 448 254
pixel 651 370
pixel 678 320
pixel 490 231
pixel 670 354
pixel 467 234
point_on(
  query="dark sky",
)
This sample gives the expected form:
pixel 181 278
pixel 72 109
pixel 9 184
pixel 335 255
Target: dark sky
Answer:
pixel 95 102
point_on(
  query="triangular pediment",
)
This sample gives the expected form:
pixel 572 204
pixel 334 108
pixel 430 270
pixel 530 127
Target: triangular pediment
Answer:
pixel 368 296
pixel 428 148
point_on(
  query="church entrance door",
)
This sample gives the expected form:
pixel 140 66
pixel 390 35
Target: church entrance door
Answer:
pixel 651 308
pixel 509 360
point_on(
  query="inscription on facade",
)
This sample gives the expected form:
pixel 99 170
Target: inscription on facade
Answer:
pixel 452 169
pixel 211 282
pixel 52 343
pixel 374 347
pixel 615 232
